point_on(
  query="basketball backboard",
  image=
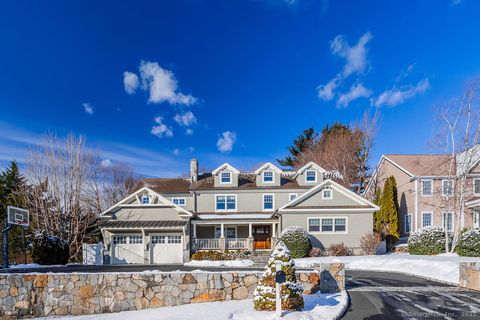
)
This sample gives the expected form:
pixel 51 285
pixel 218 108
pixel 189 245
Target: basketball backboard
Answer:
pixel 18 216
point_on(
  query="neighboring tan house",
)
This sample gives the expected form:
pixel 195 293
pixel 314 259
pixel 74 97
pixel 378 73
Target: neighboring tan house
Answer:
pixel 164 220
pixel 428 189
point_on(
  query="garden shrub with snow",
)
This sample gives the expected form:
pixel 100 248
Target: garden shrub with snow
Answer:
pixel 297 241
pixel 292 291
pixel 49 249
pixel 213 255
pixel 428 240
pixel 469 243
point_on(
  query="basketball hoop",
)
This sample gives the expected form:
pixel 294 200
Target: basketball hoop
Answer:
pixel 18 216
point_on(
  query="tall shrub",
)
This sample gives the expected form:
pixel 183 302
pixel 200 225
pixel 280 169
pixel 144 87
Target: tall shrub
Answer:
pixel 469 243
pixel 428 240
pixel 296 240
pixel 49 249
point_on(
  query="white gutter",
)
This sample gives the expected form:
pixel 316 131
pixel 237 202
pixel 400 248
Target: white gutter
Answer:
pixel 416 204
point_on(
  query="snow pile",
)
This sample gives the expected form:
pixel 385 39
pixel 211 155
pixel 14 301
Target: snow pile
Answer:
pixel 317 307
pixel 222 263
pixel 443 267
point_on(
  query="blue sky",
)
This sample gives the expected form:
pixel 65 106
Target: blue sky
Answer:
pixel 154 83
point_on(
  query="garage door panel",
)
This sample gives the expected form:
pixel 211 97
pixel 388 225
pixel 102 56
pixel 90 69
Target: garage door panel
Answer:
pixel 127 249
pixel 166 249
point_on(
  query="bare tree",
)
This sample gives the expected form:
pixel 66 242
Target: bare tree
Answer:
pixel 69 188
pixel 458 138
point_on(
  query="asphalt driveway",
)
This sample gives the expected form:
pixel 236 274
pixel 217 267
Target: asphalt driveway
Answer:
pixel 382 295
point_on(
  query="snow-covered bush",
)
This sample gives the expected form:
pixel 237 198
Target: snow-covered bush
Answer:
pixel 469 243
pixel 297 241
pixel 291 291
pixel 338 250
pixel 213 255
pixel 49 249
pixel 428 240
pixel 370 242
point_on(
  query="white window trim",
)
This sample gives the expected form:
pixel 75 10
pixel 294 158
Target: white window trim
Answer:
pixel 135 235
pixel 180 198
pixel 405 223
pixel 331 194
pixel 146 196
pixel 230 175
pixel 477 194
pixel 431 185
pixel 431 218
pixel 263 201
pixel 290 196
pixel 316 176
pixel 443 189
pixel 225 210
pixel 225 227
pixel 476 216
pixel 273 177
pixel 445 220
pixel 333 226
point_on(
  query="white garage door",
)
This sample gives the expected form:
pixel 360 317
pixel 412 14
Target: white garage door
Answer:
pixel 166 249
pixel 127 249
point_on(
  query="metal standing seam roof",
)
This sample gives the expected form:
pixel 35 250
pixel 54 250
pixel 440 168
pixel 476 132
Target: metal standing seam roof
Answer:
pixel 166 224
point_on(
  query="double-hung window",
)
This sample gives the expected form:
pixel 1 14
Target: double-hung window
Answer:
pixel 408 223
pixel 145 199
pixel 427 188
pixel 327 225
pixel 268 202
pixel 448 221
pixel 226 177
pixel 226 202
pixel 310 176
pixel 179 201
pixel 426 219
pixel 447 187
pixel 476 186
pixel 267 176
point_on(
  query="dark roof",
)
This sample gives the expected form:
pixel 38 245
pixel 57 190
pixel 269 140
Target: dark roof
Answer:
pixel 164 185
pixel 330 207
pixel 169 224
pixel 246 181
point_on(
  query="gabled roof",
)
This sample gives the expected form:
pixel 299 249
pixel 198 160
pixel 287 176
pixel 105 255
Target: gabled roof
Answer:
pixel 269 165
pixel 362 202
pixel 246 181
pixel 163 185
pixel 422 164
pixel 162 202
pixel 309 165
pixel 225 166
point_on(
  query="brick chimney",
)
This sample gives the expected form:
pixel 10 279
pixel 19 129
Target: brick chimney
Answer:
pixel 194 170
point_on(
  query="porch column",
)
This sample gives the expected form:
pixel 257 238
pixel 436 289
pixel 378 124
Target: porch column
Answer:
pixel 222 243
pixel 274 235
pixel 194 225
pixel 250 238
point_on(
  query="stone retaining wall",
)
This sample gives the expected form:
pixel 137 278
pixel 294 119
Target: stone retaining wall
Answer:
pixel 88 293
pixel 470 275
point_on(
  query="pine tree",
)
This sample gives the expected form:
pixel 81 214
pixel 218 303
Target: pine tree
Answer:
pixel 377 220
pixel 302 143
pixel 264 295
pixel 388 214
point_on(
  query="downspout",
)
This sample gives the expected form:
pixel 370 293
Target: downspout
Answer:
pixel 416 204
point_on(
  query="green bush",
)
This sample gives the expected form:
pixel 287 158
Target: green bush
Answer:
pixel 297 241
pixel 213 255
pixel 428 241
pixel 49 249
pixel 469 243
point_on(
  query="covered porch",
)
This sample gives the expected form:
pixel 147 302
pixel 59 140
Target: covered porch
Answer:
pixel 230 235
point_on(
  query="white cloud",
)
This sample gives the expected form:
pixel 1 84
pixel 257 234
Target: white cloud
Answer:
pixel 189 131
pixel 396 96
pixel 355 57
pixel 130 82
pixel 356 91
pixel 162 85
pixel 106 163
pixel 327 92
pixel 226 141
pixel 87 107
pixel 191 149
pixel 161 130
pixel 176 152
pixel 186 120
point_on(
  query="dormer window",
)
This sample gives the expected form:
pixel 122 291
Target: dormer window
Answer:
pixel 226 177
pixel 311 176
pixel 145 199
pixel 327 194
pixel 268 177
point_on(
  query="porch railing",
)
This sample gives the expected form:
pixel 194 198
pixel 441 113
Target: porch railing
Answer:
pixel 236 243
pixel 207 244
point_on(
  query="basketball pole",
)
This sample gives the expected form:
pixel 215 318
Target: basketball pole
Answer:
pixel 8 226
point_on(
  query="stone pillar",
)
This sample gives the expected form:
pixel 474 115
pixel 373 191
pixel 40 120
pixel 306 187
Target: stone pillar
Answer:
pixel 250 238
pixel 222 243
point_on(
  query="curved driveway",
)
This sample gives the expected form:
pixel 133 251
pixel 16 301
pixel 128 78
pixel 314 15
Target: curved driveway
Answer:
pixel 383 295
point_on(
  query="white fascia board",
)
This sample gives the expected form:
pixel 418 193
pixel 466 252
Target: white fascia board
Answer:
pixel 225 166
pixel 269 165
pixel 311 164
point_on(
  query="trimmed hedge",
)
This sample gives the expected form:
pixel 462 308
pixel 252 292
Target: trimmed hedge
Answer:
pixel 213 255
pixel 297 241
pixel 469 243
pixel 49 249
pixel 427 241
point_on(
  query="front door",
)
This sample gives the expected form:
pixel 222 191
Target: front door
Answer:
pixel 261 237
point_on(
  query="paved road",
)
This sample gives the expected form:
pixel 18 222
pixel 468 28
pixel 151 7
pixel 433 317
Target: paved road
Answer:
pixel 381 295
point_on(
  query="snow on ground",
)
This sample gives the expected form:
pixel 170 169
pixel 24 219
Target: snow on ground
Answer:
pixel 443 267
pixel 223 263
pixel 32 266
pixel 317 307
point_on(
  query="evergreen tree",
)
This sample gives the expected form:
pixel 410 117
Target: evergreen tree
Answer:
pixel 264 295
pixel 377 220
pixel 302 143
pixel 387 221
